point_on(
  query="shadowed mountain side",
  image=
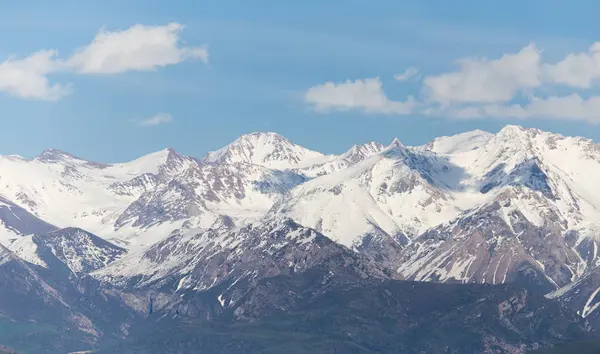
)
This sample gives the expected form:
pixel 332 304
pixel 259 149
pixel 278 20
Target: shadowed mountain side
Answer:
pixel 318 312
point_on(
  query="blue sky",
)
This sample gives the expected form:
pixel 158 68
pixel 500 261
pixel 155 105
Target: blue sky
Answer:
pixel 265 56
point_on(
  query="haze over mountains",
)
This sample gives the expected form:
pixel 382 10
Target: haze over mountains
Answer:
pixel 192 237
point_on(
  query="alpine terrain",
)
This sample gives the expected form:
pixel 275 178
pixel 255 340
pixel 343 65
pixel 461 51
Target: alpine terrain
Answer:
pixel 473 243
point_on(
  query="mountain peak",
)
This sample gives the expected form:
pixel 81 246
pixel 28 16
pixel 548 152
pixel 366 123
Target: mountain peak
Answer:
pixel 172 154
pixel 395 146
pixel 265 149
pixel 517 131
pixel 361 151
pixel 255 135
pixel 513 128
pixel 54 155
pixel 396 143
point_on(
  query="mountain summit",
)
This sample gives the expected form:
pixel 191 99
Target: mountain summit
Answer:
pixel 265 149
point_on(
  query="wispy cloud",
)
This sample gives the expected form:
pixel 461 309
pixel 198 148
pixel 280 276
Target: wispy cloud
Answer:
pixel 138 48
pixel 407 75
pixel 158 119
pixel 512 86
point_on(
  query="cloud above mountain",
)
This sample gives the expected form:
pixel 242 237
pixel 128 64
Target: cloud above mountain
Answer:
pixel 158 119
pixel 366 95
pixel 517 85
pixel 138 48
pixel 483 80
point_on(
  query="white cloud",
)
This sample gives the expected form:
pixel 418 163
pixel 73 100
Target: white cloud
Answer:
pixel 27 78
pixel 570 107
pixel 484 88
pixel 136 48
pixel 485 81
pixel 366 95
pixel 160 118
pixel 577 70
pixel 407 75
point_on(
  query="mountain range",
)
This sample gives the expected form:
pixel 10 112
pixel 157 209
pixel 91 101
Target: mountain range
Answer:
pixel 113 251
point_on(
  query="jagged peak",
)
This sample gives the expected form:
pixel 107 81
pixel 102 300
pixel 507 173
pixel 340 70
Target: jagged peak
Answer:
pixel 167 152
pixel 174 155
pixel 517 131
pixel 395 148
pixel 396 143
pixel 259 138
pixel 359 152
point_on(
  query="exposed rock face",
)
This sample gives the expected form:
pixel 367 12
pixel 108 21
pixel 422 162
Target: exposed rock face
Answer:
pixel 187 262
pixel 495 244
pixel 582 297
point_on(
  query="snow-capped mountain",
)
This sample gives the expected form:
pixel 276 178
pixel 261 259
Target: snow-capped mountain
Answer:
pixel 265 149
pixel 66 191
pixel 408 207
pixel 388 197
pixel 138 202
pixel 534 192
pixel 192 237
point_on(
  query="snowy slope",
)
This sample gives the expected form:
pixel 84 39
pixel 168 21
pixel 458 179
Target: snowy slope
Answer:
pixel 459 143
pixel 66 191
pixel 140 202
pixel 399 192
